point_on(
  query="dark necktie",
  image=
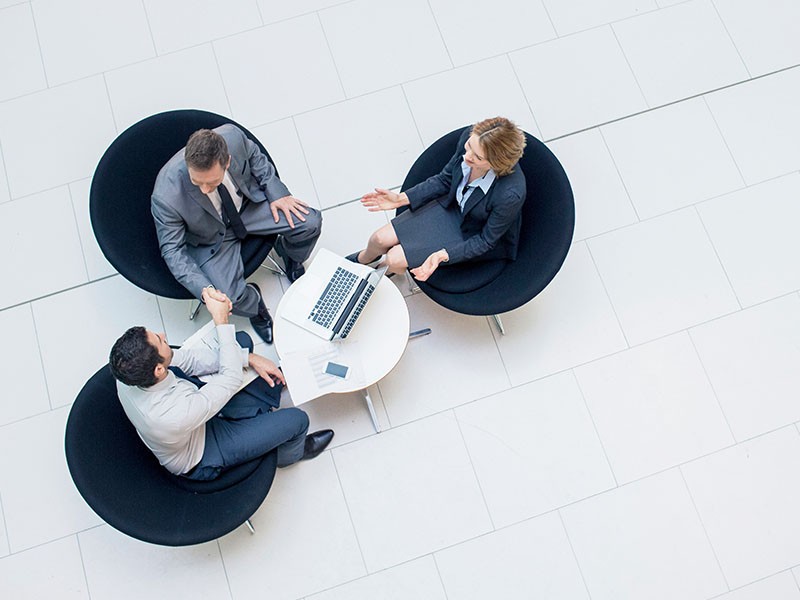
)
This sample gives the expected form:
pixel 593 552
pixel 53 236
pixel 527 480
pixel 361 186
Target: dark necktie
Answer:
pixel 191 378
pixel 229 213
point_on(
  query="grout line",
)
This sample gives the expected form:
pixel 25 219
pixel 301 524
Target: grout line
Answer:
pixel 594 426
pixel 705 531
pixel 439 573
pixel 608 295
pixel 83 564
pixel 41 363
pixel 730 37
pixel 41 54
pixel 330 52
pixel 308 167
pixel 5 525
pixel 724 140
pixel 711 383
pixel 524 94
pixel 441 35
pixel 349 512
pixel 413 118
pixel 61 291
pixel 260 14
pixel 621 178
pixel 794 576
pixel 628 62
pixel 150 31
pixel 222 79
pixel 496 335
pixel 4 167
pixel 224 566
pixel 78 229
pixel 110 109
pixel 549 18
pixel 716 254
pixel 574 554
pixel 474 471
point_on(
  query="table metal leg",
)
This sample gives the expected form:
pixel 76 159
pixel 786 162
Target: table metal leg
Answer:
pixel 371 410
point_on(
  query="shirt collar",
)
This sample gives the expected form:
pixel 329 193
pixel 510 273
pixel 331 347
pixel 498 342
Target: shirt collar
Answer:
pixel 484 182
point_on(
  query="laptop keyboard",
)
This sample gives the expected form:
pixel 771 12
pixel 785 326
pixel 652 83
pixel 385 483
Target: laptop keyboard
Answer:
pixel 331 300
pixel 357 311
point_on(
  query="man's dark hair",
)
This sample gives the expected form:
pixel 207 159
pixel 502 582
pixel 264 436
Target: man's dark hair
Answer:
pixel 204 149
pixel 133 358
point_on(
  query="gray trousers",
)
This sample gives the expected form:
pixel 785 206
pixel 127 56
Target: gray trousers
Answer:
pixel 226 270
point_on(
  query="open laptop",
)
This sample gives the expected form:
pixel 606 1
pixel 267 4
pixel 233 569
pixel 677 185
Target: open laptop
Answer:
pixel 333 293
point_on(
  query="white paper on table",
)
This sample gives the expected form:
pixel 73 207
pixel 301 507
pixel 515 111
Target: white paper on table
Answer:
pixel 207 336
pixel 305 375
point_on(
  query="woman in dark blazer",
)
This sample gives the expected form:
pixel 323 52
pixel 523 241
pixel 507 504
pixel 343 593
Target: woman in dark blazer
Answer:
pixel 469 211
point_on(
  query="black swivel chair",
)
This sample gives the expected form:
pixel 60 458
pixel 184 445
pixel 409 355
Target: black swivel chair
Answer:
pixel 121 480
pixel 492 287
pixel 119 201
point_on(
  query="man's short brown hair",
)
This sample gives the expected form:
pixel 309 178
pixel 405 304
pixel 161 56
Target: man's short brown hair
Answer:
pixel 502 143
pixel 204 149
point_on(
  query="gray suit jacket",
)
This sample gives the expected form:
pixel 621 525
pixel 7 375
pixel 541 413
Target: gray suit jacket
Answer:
pixel 190 232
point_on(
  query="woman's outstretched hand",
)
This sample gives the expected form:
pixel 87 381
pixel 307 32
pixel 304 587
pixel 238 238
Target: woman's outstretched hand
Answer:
pixel 382 199
pixel 426 269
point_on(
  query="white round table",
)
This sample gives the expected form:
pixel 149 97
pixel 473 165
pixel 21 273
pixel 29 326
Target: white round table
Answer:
pixel 377 341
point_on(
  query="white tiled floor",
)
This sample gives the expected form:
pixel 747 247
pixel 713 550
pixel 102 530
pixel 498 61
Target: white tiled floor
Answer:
pixel 633 435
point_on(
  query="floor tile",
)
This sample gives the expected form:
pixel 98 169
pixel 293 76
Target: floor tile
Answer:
pixel 528 560
pixel 571 322
pixel 45 507
pixel 410 581
pixel 601 201
pixel 570 16
pixel 97 266
pixel 40 232
pixel 396 492
pixel 281 141
pixel 672 157
pixel 90 306
pixel 376 136
pixel 653 407
pixel 649 528
pixel 778 587
pixel 119 567
pixel 346 228
pixel 21 68
pixel 53 570
pixel 278 10
pixel 524 24
pixel 680 51
pixel 347 415
pixel 558 77
pixel 183 23
pixel 751 358
pixel 658 286
pixel 761 125
pixel 755 234
pixel 29 124
pixel 747 497
pixel 305 505
pixel 534 448
pixel 5 549
pixel 99 37
pixel 763 33
pixel 183 79
pixel 366 59
pixel 496 92
pixel 5 194
pixel 304 79
pixel 24 388
pixel 440 365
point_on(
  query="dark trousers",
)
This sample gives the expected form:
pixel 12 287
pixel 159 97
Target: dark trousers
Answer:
pixel 248 426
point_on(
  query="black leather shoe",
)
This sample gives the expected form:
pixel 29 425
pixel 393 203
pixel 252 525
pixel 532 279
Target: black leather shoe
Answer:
pixel 263 326
pixel 317 442
pixel 294 270
pixel 262 322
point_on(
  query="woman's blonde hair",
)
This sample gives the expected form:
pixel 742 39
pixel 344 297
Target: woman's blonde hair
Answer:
pixel 502 143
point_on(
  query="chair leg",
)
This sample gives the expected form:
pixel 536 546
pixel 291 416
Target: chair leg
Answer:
pixel 499 324
pixel 250 526
pixel 195 311
pixel 412 284
pixel 278 270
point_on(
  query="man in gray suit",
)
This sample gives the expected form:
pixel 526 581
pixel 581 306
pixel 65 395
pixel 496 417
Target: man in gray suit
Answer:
pixel 208 197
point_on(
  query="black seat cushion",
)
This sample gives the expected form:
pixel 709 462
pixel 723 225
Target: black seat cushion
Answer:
pixel 121 480
pixel 119 200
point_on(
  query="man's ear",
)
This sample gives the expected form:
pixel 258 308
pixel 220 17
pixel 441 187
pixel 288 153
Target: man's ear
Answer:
pixel 229 162
pixel 159 371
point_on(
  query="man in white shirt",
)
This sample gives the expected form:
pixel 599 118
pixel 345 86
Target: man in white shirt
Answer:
pixel 198 430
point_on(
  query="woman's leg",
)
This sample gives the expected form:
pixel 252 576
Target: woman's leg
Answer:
pixel 378 244
pixel 396 259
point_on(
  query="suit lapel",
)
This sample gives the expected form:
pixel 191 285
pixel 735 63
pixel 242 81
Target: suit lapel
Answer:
pixel 476 196
pixel 200 198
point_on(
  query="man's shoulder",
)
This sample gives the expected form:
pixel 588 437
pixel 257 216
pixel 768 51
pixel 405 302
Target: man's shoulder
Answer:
pixel 172 175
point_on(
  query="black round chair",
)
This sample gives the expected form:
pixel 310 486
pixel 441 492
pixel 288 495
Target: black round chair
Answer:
pixel 121 480
pixel 119 200
pixel 548 220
